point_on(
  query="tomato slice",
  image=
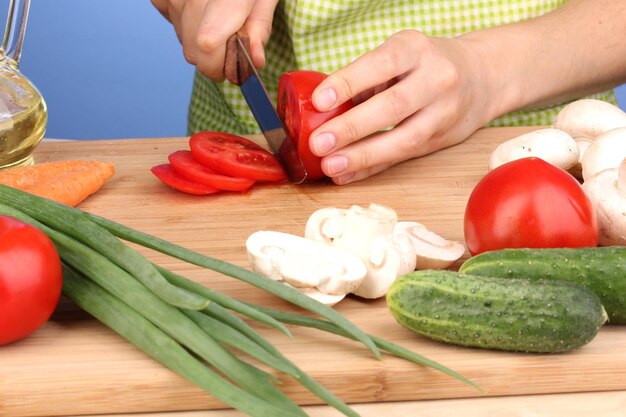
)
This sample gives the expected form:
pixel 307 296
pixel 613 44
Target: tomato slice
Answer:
pixel 235 156
pixel 296 110
pixel 185 165
pixel 169 177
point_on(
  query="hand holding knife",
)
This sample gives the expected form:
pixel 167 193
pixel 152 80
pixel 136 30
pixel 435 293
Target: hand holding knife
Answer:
pixel 239 70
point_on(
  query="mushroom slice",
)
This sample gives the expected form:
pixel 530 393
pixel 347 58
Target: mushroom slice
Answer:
pixel 589 118
pixel 304 263
pixel 552 145
pixel 368 233
pixel 605 152
pixel 324 224
pixel 432 251
pixel 607 192
pixel 327 299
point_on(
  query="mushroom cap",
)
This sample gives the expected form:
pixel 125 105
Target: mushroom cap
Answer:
pixel 324 224
pixel 582 143
pixel 605 152
pixel 552 145
pixel 589 118
pixel 432 251
pixel 304 263
pixel 608 196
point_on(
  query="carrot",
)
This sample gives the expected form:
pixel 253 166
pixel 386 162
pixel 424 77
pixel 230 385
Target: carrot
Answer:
pixel 68 182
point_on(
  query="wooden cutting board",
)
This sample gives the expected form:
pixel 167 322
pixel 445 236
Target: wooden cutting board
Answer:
pixel 74 365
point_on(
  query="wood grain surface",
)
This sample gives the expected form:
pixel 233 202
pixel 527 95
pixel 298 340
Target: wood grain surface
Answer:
pixel 76 366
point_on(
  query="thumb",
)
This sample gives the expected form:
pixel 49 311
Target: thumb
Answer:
pixel 259 27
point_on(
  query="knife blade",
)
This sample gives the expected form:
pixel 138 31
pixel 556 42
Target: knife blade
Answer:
pixel 239 70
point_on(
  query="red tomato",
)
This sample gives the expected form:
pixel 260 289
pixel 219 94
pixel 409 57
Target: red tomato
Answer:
pixel 235 156
pixel 529 203
pixel 296 110
pixel 185 165
pixel 30 279
pixel 169 177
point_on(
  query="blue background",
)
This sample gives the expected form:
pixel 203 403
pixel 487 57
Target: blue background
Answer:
pixel 110 69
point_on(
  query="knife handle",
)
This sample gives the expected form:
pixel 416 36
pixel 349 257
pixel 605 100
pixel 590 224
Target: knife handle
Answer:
pixel 236 66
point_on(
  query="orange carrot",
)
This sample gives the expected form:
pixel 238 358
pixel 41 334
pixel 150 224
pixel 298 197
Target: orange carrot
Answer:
pixel 68 182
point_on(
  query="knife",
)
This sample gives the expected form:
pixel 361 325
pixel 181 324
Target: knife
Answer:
pixel 239 70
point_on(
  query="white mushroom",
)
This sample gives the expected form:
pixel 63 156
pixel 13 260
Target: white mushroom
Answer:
pixel 324 224
pixel 368 233
pixel 552 145
pixel 605 152
pixel 582 143
pixel 607 192
pixel 589 118
pixel 304 263
pixel 432 251
pixel 327 299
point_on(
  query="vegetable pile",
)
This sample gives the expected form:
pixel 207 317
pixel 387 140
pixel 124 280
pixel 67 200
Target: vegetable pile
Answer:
pixel 185 326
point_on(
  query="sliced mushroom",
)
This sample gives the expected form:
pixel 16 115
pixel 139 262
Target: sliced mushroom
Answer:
pixel 552 145
pixel 368 233
pixel 606 152
pixel 326 299
pixel 304 263
pixel 607 192
pixel 432 251
pixel 324 224
pixel 589 118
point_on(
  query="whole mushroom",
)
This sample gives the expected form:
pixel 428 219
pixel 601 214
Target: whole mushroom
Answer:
pixel 607 192
pixel 605 152
pixel 589 118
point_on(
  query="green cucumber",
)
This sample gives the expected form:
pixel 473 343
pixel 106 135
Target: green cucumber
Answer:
pixel 496 313
pixel 601 269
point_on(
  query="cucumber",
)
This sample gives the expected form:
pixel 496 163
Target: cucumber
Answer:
pixel 601 269
pixel 496 313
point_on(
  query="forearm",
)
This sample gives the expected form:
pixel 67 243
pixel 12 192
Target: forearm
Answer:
pixel 576 50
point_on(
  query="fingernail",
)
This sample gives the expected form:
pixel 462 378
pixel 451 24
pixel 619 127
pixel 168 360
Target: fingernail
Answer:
pixel 343 179
pixel 324 143
pixel 325 99
pixel 336 164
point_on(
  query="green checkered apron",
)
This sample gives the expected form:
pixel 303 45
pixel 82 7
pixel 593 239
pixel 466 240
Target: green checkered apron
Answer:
pixel 325 35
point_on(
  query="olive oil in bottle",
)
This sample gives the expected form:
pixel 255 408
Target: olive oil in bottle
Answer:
pixel 23 118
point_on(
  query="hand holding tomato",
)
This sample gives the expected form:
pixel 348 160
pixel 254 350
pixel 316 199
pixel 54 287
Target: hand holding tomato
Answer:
pixel 430 89
pixel 30 279
pixel 529 203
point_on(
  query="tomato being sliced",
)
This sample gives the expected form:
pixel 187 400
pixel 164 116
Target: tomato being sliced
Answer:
pixel 529 203
pixel 186 166
pixel 30 279
pixel 169 177
pixel 235 156
pixel 296 110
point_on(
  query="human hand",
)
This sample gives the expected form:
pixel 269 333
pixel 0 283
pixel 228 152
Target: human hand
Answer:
pixel 433 90
pixel 204 26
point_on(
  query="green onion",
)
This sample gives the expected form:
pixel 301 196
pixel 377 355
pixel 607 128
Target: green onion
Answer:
pixel 222 299
pixel 156 343
pixel 77 225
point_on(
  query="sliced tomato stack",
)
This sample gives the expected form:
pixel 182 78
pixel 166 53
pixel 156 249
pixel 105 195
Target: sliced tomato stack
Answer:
pixel 217 162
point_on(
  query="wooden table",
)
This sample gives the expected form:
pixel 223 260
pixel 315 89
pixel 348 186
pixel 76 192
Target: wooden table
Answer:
pixel 76 366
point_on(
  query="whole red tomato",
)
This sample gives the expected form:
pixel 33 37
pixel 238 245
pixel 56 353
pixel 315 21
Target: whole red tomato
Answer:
pixel 296 110
pixel 30 279
pixel 528 203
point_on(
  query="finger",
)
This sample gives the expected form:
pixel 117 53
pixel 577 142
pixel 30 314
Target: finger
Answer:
pixel 162 7
pixel 360 175
pixel 221 18
pixel 409 139
pixel 381 111
pixel 259 27
pixel 371 69
pixel 190 19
